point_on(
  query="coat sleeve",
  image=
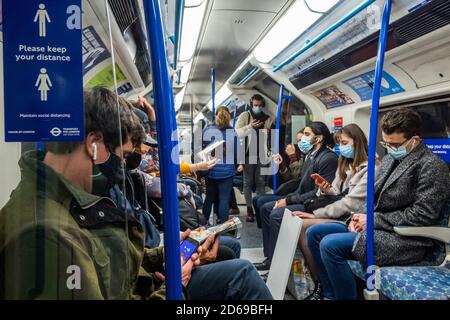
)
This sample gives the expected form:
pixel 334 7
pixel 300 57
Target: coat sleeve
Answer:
pixel 243 128
pixel 45 263
pixel 351 202
pixel 327 169
pixel 431 190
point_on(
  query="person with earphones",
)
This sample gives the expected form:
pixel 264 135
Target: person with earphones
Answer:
pixel 316 143
pixel 252 127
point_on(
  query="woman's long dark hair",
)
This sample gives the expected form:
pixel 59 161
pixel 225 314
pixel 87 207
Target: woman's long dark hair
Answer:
pixel 320 128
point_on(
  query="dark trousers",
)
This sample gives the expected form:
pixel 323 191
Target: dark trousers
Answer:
pixel 227 280
pixel 259 201
pixel 271 222
pixel 218 193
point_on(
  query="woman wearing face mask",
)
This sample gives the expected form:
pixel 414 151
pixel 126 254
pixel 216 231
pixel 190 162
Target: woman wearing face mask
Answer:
pixel 316 143
pixel 347 192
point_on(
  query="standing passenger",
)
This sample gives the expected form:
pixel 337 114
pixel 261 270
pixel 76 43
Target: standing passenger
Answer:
pixel 219 179
pixel 247 123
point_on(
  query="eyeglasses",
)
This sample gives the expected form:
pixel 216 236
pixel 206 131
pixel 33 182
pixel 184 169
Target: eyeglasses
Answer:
pixel 393 146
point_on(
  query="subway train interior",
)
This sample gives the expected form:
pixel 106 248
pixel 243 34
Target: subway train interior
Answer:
pixel 297 149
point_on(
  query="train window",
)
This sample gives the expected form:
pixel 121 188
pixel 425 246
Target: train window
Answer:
pixel 435 127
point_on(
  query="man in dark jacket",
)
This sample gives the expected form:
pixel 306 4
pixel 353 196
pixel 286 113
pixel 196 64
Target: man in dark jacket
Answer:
pixel 321 160
pixel 411 189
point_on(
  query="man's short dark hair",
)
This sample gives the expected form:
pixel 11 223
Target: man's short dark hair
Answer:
pixel 103 115
pixel 404 121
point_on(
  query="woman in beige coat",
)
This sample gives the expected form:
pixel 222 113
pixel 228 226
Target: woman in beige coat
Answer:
pixel 348 189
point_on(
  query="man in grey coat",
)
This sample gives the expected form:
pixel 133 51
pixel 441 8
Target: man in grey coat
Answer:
pixel 411 189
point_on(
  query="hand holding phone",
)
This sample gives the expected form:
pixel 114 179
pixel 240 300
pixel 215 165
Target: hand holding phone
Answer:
pixel 187 248
pixel 318 179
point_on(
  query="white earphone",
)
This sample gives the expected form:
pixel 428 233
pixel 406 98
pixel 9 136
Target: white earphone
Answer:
pixel 94 156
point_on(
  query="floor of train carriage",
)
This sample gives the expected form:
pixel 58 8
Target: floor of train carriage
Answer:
pixel 250 237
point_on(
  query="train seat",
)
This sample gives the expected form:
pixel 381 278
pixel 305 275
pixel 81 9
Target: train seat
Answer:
pixel 418 282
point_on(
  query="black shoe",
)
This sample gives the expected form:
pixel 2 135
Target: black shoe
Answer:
pixel 263 266
pixel 317 293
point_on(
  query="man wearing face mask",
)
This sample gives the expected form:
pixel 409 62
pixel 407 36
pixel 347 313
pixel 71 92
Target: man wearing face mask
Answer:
pixel 411 189
pixel 249 126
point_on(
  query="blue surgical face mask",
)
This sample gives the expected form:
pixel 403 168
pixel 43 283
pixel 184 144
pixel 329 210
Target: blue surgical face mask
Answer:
pixel 347 151
pixel 305 144
pixel 399 153
pixel 256 110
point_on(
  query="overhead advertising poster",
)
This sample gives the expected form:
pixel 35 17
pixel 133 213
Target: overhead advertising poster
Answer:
pixel 363 85
pixel 94 50
pixel 43 71
pixel 332 97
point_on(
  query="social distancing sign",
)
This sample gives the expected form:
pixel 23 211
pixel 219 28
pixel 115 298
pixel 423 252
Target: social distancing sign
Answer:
pixel 43 70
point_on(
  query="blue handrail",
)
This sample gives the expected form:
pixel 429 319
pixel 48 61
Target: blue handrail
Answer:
pixel 166 124
pixel 276 144
pixel 179 13
pixel 251 73
pixel 324 34
pixel 373 138
pixel 213 93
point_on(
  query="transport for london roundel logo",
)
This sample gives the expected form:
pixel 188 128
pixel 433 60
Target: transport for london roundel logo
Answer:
pixel 55 132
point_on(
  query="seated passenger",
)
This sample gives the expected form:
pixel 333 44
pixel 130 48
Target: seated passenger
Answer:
pixel 291 175
pixel 58 241
pixel 346 194
pixel 320 159
pixel 411 188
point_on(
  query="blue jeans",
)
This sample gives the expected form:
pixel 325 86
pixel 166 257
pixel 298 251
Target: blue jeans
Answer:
pixel 227 280
pixel 331 246
pixel 271 223
pixel 258 201
pixel 218 192
pixel 231 243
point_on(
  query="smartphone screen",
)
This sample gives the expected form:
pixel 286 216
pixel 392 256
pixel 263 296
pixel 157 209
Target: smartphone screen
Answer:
pixel 187 248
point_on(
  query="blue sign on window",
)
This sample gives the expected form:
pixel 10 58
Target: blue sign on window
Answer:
pixel 440 147
pixel 43 70
pixel 363 85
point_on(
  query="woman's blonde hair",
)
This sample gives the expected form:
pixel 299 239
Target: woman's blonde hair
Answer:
pixel 223 118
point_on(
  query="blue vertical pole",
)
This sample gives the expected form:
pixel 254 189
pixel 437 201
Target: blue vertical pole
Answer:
pixel 213 93
pixel 373 137
pixel 276 145
pixel 166 124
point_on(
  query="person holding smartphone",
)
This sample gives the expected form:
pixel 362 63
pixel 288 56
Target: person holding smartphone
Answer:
pixel 345 194
pixel 316 143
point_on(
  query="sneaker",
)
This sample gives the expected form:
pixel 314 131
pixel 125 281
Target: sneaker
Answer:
pixel 317 293
pixel 263 266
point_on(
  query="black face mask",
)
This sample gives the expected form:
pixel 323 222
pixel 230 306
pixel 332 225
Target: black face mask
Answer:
pixel 100 185
pixel 112 169
pixel 133 161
